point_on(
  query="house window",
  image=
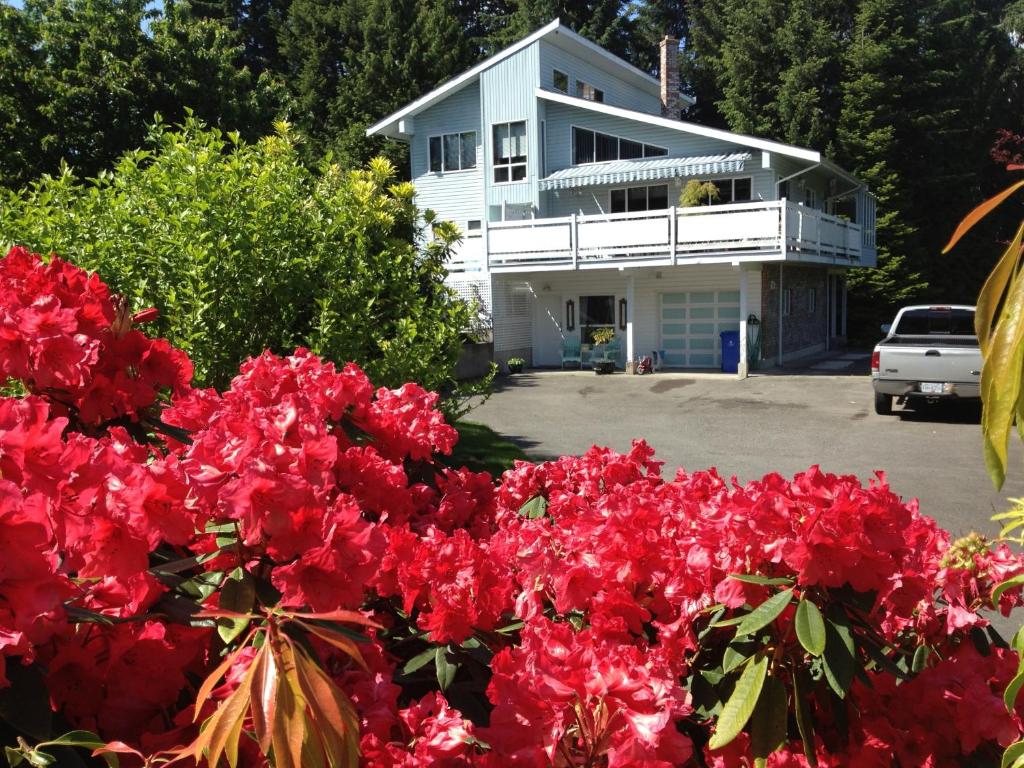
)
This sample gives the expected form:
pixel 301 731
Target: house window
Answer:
pixel 812 300
pixel 588 92
pixel 473 225
pixel 810 198
pixel 654 198
pixel 453 152
pixel 596 312
pixel 560 81
pixel 509 152
pixel 733 190
pixel 594 147
pixel 787 302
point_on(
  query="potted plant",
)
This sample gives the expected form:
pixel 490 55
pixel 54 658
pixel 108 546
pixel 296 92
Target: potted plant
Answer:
pixel 602 363
pixel 515 364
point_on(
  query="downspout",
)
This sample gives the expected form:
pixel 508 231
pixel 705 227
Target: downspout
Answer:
pixel 781 293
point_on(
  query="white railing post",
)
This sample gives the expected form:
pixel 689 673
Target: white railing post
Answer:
pixel 574 241
pixel 673 224
pixel 783 217
pixel 485 242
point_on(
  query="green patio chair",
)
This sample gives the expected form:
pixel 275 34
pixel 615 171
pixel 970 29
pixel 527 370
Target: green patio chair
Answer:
pixel 571 352
pixel 613 351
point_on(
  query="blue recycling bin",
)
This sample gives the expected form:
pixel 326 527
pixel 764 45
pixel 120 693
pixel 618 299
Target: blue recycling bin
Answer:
pixel 730 351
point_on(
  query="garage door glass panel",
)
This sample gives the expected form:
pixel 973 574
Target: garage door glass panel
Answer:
pixel 702 312
pixel 728 297
pixel 702 298
pixel 674 298
pixel 674 328
pixel 705 328
pixel 730 313
pixel 670 313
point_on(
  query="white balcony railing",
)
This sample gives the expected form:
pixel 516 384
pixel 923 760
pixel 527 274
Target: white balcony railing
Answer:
pixel 776 229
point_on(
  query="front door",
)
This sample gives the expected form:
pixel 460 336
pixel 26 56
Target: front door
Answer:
pixel 548 333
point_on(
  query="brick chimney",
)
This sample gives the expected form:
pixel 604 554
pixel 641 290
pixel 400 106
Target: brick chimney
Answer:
pixel 670 105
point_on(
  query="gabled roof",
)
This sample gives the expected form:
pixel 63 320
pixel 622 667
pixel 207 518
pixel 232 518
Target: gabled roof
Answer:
pixel 648 169
pixel 555 31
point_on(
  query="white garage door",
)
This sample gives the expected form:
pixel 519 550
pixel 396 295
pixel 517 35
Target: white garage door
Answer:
pixel 691 322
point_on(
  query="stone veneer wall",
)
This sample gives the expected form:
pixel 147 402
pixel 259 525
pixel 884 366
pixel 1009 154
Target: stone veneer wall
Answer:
pixel 803 331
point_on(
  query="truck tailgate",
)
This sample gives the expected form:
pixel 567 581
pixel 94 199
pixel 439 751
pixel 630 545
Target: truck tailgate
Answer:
pixel 930 359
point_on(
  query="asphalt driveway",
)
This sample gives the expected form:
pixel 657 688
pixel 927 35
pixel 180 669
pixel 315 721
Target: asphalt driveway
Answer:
pixel 766 423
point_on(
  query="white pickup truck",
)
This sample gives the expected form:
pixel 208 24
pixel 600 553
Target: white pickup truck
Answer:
pixel 929 352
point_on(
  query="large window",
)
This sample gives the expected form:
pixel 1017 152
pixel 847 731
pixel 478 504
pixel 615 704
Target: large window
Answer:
pixel 593 147
pixel 733 190
pixel 509 152
pixel 595 312
pixel 588 92
pixel 654 198
pixel 453 152
pixel 560 80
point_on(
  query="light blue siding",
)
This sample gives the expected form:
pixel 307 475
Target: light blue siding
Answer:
pixel 455 196
pixel 617 92
pixel 509 94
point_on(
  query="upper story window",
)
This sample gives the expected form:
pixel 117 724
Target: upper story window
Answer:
pixel 509 151
pixel 560 80
pixel 630 199
pixel 589 92
pixel 593 147
pixel 453 152
pixel 734 190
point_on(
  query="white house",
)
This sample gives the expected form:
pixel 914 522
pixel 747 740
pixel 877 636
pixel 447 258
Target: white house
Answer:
pixel 563 166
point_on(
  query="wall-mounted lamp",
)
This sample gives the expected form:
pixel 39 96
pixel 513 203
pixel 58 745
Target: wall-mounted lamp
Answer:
pixel 570 315
pixel 657 275
pixel 622 314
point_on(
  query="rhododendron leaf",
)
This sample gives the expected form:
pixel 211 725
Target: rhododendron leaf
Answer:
pixel 331 714
pixel 741 704
pixel 768 723
pixel 508 629
pixel 980 212
pixel 879 655
pixel 1013 691
pixel 223 728
pixel 338 640
pixel 419 661
pixel 765 613
pixel 810 627
pixel 768 581
pixel 263 698
pixel 348 617
pixel 730 622
pixel 80 615
pixel 737 652
pixel 535 508
pixel 289 728
pixel 991 295
pixel 1017 643
pixel 1008 584
pixel 920 658
pixel 212 679
pixel 840 654
pixel 445 669
pixel 802 709
pixel 40 759
pixel 236 594
pixel 1012 754
pixel 14 756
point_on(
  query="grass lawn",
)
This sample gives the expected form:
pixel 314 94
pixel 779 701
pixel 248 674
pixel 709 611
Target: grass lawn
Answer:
pixel 483 450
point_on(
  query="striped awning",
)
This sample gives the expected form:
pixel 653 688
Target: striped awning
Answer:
pixel 650 169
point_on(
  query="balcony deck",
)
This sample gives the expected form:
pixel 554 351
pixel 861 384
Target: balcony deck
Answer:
pixel 757 231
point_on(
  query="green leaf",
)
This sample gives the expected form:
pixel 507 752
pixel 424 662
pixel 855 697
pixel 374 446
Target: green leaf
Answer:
pixel 921 655
pixel 810 627
pixel 768 723
pixel 765 613
pixel 535 508
pixel 445 669
pixel 1012 692
pixel 741 704
pixel 1012 754
pixel 419 661
pixel 236 594
pixel 1003 586
pixel 14 757
pixel 804 723
pixel 753 578
pixel 840 655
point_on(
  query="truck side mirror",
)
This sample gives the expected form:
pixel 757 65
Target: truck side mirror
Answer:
pixel 886 327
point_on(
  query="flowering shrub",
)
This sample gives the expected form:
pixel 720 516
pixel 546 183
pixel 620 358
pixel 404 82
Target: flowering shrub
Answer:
pixel 285 574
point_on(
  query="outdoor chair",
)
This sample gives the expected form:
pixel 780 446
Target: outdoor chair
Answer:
pixel 613 350
pixel 571 352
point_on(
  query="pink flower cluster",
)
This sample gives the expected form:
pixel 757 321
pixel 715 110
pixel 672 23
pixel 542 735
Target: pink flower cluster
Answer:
pixel 572 600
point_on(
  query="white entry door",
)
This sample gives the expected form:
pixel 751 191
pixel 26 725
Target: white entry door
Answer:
pixel 547 330
pixel 691 322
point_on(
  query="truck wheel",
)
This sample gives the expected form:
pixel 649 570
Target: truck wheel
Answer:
pixel 883 404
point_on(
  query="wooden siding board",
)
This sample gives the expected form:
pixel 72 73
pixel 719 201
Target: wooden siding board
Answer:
pixel 617 92
pixel 454 196
pixel 509 94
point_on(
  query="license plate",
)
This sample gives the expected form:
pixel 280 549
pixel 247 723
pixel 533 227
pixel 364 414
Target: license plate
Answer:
pixel 931 388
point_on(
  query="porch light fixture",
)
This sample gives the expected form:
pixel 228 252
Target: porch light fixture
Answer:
pixel 622 314
pixel 570 315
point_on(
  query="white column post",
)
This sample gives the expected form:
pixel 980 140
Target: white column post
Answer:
pixel 630 356
pixel 781 293
pixel 744 365
pixel 673 224
pixel 485 241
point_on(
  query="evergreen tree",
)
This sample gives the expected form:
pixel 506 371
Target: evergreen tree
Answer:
pixel 607 22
